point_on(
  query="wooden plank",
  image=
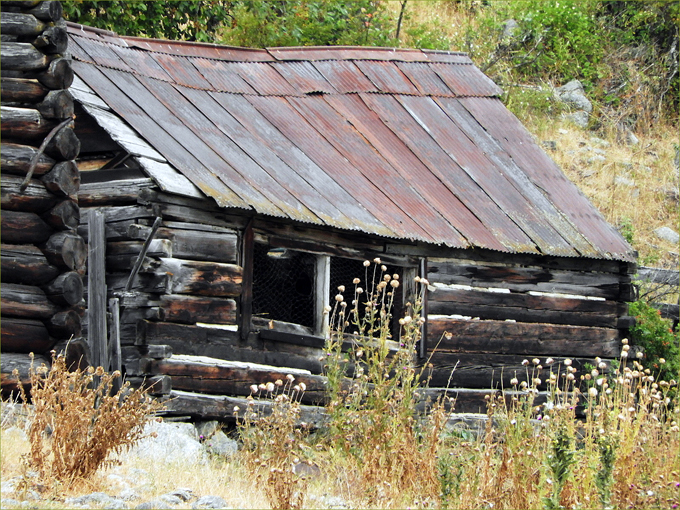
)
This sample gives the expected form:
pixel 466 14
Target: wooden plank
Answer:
pixel 96 290
pixel 185 403
pixel 114 354
pixel 199 277
pixel 524 279
pixel 322 279
pixel 113 214
pixel 25 264
pixel 524 307
pixel 169 179
pixel 245 318
pixel 227 344
pixel 192 309
pixel 504 337
pixel 488 371
pixel 195 244
pixel 209 375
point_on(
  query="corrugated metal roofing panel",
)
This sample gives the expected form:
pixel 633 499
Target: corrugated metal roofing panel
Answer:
pixel 425 79
pixel 221 77
pixel 345 76
pixel 182 72
pixel 542 170
pixel 418 152
pixel 467 80
pixel 263 78
pixel 304 77
pixel 387 77
pixel 315 53
pixel 142 62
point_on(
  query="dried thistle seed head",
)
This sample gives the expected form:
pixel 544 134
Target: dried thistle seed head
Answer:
pixel 290 377
pixel 278 382
pixel 367 263
pixel 339 298
pixel 376 260
pixel 356 281
pixel 394 284
pixel 592 392
pixel 253 388
pixel 303 386
pixel 270 387
pixel 567 362
pixel 341 288
pixel 549 361
pixel 535 361
pixel 624 341
pixel 514 381
pixel 525 362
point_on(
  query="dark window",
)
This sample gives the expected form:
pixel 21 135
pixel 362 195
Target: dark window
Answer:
pixel 283 285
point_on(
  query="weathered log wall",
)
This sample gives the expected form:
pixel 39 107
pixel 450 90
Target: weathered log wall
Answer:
pixel 43 258
pixel 487 315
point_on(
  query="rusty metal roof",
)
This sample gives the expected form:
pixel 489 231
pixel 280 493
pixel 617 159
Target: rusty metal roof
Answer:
pixel 407 144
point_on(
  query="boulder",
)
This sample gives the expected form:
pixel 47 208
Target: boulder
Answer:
pixel 668 234
pixel 573 95
pixel 173 443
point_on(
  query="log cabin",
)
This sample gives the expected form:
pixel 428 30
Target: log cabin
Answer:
pixel 226 193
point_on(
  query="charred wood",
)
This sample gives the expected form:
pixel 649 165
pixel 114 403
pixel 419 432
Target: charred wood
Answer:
pixel 199 277
pixel 63 179
pixel 191 309
pixel 22 90
pixel 65 324
pixel 52 40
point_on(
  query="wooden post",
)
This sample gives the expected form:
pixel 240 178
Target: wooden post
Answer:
pixel 424 312
pixel 96 288
pixel 246 308
pixel 114 351
pixel 322 293
pixel 142 254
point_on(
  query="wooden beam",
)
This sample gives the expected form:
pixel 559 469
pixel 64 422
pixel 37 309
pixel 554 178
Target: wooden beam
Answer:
pixel 66 289
pixel 322 294
pixel 34 198
pixel 25 335
pixel 199 277
pixel 193 309
pixel 20 56
pixel 25 264
pixel 96 290
pixel 66 250
pixel 23 363
pixel 246 302
pixel 16 159
pixel 24 228
pixel 26 301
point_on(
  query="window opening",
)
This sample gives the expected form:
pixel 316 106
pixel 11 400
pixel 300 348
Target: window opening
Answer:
pixel 283 285
pixel 344 271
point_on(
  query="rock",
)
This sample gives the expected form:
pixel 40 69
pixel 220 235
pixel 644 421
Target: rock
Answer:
pixel 622 180
pixel 599 141
pixel 671 193
pixel 573 95
pixel 100 499
pixel 128 494
pixel 551 145
pixel 184 494
pixel 625 135
pixel 563 131
pixel 153 505
pixel 510 26
pixel 220 444
pixel 174 443
pixel 171 499
pixel 210 502
pixel 596 159
pixel 307 470
pixel 580 118
pixel 668 234
pixel 205 429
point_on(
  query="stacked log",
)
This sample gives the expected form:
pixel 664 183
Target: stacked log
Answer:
pixel 43 257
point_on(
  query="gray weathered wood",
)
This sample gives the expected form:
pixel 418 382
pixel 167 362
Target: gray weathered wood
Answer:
pixel 25 335
pixel 199 277
pixel 64 325
pixel 58 75
pixel 57 104
pixel 19 56
pixel 26 264
pixel 142 253
pixel 48 10
pixel 16 159
pixel 63 216
pixel 96 290
pixel 114 349
pixel 22 90
pixel 26 301
pixel 66 250
pixel 66 289
pixel 123 192
pixel 35 198
pixel 322 294
pixel 53 39
pixel 23 363
pixel 17 23
pixel 193 309
pixel 24 123
pixel 24 228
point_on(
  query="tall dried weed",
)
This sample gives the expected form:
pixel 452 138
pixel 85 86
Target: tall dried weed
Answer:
pixel 77 423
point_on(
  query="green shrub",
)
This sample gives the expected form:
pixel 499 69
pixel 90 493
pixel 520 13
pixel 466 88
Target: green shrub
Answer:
pixel 653 333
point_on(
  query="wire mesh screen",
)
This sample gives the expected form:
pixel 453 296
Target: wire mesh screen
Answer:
pixel 283 285
pixel 344 271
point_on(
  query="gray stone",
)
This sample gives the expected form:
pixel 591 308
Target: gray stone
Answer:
pixel 671 193
pixel 205 429
pixel 153 505
pixel 599 141
pixel 563 131
pixel 596 159
pixel 551 145
pixel 622 180
pixel 510 26
pixel 184 494
pixel 599 151
pixel 171 499
pixel 210 502
pixel 174 443
pixel 220 444
pixel 573 95
pixel 667 234
pixel 580 118
pixel 128 494
pixel 7 502
pixel 307 470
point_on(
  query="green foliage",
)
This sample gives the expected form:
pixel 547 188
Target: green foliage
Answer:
pixel 654 334
pixel 627 230
pixel 162 19
pixel 308 23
